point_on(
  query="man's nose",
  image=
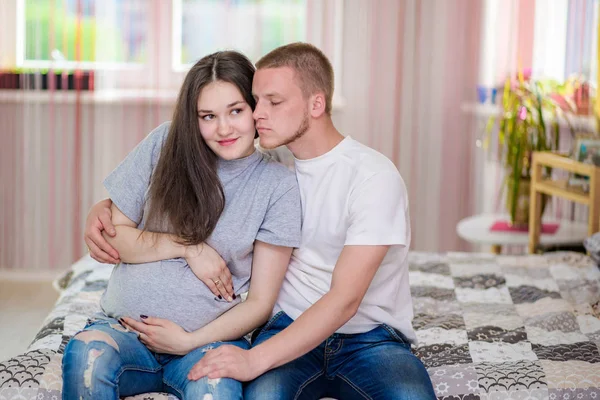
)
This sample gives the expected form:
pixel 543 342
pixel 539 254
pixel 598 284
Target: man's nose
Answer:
pixel 258 112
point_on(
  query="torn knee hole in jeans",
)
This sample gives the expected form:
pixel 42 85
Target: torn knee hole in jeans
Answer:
pixel 213 382
pixel 94 354
pixel 96 336
pixel 119 327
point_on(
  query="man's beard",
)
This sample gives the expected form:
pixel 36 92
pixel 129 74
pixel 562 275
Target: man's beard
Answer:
pixel 302 129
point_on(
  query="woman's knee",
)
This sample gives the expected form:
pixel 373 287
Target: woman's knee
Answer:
pixel 90 355
pixel 213 389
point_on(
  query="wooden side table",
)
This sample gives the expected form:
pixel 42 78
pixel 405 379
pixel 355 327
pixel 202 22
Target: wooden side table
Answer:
pixel 561 188
pixel 476 229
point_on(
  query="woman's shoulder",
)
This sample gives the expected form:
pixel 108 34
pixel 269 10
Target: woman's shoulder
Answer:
pixel 276 173
pixel 159 134
pixel 154 142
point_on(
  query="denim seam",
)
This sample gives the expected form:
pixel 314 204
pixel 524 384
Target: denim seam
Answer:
pixel 130 368
pixel 305 384
pixel 272 321
pixel 174 388
pixel 332 352
pixel 394 334
pixel 325 359
pixel 358 390
pixel 133 367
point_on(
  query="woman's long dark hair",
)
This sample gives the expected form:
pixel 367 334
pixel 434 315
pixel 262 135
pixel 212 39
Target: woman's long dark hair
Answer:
pixel 185 191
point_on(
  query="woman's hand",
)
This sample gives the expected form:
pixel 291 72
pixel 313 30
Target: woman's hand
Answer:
pixel 161 335
pixel 211 269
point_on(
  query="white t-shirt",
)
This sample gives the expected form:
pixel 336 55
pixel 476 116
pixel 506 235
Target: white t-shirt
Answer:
pixel 352 195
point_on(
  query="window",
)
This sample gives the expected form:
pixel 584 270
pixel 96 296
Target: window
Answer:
pixel 253 27
pixel 150 44
pixel 88 34
pixel 563 40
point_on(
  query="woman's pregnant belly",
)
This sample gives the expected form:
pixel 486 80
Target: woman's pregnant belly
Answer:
pixel 165 289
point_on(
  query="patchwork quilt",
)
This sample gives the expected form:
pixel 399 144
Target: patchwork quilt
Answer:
pixel 489 327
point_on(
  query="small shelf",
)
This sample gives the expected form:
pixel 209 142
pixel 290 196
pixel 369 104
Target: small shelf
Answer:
pixel 561 188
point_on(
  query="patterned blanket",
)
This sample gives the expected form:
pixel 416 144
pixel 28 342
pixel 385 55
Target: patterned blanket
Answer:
pixel 489 327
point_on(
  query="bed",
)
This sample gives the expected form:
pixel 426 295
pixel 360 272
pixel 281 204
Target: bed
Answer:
pixel 489 327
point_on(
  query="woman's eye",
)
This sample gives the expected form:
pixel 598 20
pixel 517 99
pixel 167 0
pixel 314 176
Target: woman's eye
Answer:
pixel 273 103
pixel 236 111
pixel 207 117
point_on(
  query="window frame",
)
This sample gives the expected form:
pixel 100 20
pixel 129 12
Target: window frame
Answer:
pixel 331 14
pixel 159 72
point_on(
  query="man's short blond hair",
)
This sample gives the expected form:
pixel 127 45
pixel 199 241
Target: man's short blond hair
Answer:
pixel 313 69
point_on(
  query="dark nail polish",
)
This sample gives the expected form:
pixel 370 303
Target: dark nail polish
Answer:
pixel 143 316
pixel 220 297
pixel 233 296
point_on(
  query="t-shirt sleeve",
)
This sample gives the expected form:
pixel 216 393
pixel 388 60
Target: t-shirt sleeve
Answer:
pixel 378 211
pixel 283 221
pixel 128 183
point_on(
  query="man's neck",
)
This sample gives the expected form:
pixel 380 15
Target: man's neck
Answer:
pixel 318 140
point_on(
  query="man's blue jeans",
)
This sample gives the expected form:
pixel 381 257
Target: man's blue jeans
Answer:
pixel 374 365
pixel 106 369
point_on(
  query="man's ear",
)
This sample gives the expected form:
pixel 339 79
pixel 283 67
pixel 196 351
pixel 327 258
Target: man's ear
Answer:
pixel 317 105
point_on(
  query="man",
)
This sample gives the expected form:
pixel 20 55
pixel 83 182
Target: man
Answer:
pixel 342 323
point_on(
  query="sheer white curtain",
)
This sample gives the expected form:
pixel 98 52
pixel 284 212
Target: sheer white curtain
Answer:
pixel 58 144
pixel 408 65
pixel 403 69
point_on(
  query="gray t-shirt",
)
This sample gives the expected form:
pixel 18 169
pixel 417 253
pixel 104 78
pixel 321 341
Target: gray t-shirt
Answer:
pixel 262 202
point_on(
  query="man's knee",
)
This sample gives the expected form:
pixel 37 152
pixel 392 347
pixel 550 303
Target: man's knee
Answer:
pixel 270 386
pixel 413 383
pixel 420 390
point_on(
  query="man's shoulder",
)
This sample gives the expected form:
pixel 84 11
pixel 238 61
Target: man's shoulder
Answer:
pixel 368 161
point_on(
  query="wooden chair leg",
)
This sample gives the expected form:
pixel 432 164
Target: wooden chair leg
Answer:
pixel 594 210
pixel 535 208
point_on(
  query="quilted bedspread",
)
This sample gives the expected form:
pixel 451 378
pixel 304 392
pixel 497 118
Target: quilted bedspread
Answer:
pixel 489 327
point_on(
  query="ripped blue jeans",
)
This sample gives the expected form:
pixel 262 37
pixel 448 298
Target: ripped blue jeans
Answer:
pixel 105 361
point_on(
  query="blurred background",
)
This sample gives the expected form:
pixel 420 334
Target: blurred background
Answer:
pixel 83 81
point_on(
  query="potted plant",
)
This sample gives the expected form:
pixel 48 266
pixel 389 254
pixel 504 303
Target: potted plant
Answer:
pixel 528 121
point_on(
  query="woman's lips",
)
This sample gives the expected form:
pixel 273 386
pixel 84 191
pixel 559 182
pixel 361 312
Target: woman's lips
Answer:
pixel 227 142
